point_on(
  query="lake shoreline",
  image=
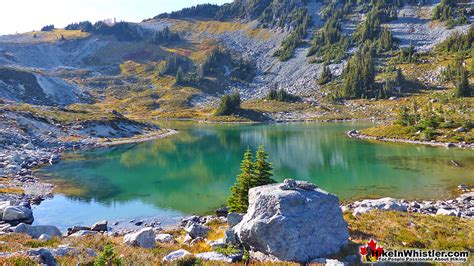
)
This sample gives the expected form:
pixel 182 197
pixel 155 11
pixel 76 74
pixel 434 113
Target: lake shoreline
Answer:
pixel 47 190
pixel 357 135
pixel 28 186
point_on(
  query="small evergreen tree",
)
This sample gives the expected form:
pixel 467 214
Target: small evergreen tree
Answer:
pixel 238 200
pixel 403 116
pixel 462 87
pixel 263 169
pixel 326 76
pixel 252 174
pixel 385 42
pixel 107 257
pixel 229 104
pixel 179 76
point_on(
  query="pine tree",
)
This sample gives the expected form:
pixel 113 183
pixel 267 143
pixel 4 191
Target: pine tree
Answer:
pixel 238 200
pixel 359 74
pixel 326 76
pixel 403 116
pixel 252 174
pixel 462 86
pixel 386 42
pixel 263 169
pixel 179 76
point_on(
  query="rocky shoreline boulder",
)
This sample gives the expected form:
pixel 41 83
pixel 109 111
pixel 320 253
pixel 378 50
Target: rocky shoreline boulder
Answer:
pixel 144 238
pixel 15 215
pixel 294 221
pixel 37 231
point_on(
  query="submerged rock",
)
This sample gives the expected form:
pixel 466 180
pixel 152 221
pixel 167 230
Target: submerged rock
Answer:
pixel 293 223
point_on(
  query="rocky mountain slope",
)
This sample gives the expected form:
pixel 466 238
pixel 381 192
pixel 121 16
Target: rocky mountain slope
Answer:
pixel 69 64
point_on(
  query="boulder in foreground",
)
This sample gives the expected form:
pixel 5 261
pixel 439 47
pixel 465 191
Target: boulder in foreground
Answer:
pixel 35 231
pixel 144 238
pixel 294 221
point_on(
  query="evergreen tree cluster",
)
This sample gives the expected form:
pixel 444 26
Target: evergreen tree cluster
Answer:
pixel 183 70
pixel 444 10
pixel 281 95
pixel 326 76
pixel 165 36
pixel 302 21
pixel 447 10
pixel 427 120
pixel 254 173
pixel 173 63
pixel 381 11
pixel 359 75
pixel 369 29
pixel 458 42
pixel 48 28
pixel 270 13
pixel 386 41
pixel 229 105
pixel 200 11
pixel 220 62
pixel 392 85
pixel 84 26
pixel 123 31
pixel 407 55
pixel 458 75
pixel 329 42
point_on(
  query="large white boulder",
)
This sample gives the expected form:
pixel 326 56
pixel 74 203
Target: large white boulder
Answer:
pixel 144 238
pixel 295 221
pixel 17 214
pixel 37 230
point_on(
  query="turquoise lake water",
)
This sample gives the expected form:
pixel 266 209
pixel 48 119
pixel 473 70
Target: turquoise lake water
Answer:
pixel 191 172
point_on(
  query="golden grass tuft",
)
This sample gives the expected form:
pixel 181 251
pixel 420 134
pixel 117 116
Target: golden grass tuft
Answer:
pixel 12 190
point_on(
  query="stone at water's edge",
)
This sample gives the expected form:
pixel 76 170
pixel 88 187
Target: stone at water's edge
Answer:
pixel 17 214
pixel 293 222
pixel 144 238
pixel 35 231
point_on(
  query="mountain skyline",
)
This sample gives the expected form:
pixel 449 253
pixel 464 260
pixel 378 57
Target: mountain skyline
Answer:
pixel 26 15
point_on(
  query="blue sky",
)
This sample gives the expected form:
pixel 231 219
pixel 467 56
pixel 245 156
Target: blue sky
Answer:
pixel 28 15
